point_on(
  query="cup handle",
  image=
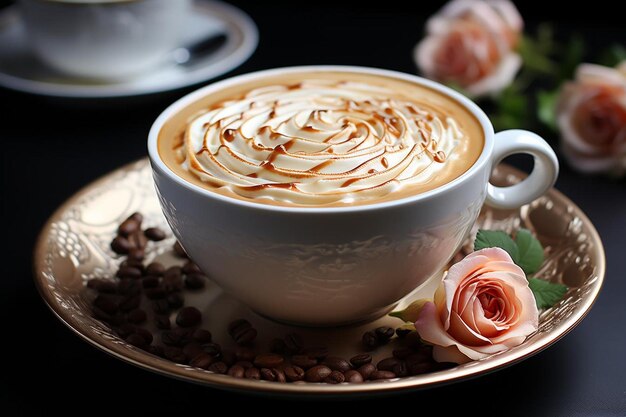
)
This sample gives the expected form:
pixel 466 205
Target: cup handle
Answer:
pixel 542 177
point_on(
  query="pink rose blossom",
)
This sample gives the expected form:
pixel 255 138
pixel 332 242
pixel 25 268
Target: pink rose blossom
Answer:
pixel 591 114
pixel 471 43
pixel 483 306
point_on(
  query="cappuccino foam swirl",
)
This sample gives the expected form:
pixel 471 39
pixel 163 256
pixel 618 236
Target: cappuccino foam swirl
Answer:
pixel 319 142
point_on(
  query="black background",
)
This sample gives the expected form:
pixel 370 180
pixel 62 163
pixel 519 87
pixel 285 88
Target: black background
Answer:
pixel 50 148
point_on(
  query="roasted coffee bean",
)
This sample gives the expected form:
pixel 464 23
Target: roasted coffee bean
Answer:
pixel 400 369
pixel 195 281
pixel 130 224
pixel 137 316
pixel 155 268
pixel 236 371
pixel 353 376
pixel 160 306
pixel 192 349
pixel 402 353
pixel 157 350
pixel 154 234
pixel 172 283
pixel 173 271
pixel 278 346
pixel 370 340
pixel 401 332
pixel 387 364
pixel 129 272
pixel 121 245
pixel 125 330
pixel 384 334
pixel 105 286
pixel 175 354
pixel 244 364
pixel 136 340
pixel 418 368
pixel 378 375
pixel 129 286
pixel 191 268
pixel 133 264
pixel 136 255
pixel 238 325
pixel 336 363
pixel 303 361
pixel 179 251
pixel 418 357
pixel 294 373
pixel 273 374
pixel 246 336
pixel 218 367
pixel 317 373
pixel 252 373
pixel 150 281
pixel 317 352
pixel 147 336
pixel 188 317
pixel 202 360
pixel 162 321
pixel 228 357
pixel 130 303
pixel 175 300
pixel 293 343
pixel 413 340
pixel 138 240
pixel 171 338
pixel 212 348
pixel 155 293
pixel 360 360
pixel 100 314
pixel 201 336
pixel 366 370
pixel 243 353
pixel 335 377
pixel 268 360
pixel 106 303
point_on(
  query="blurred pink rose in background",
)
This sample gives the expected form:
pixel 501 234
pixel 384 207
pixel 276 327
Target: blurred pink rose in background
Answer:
pixel 483 306
pixel 591 115
pixel 471 44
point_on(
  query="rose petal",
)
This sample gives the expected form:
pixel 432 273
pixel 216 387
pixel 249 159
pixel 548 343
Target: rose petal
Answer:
pixel 500 78
pixel 449 354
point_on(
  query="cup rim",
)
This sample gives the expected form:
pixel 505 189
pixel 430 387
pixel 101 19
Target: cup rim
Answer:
pixel 484 157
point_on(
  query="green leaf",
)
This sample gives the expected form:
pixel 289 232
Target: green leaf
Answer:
pixel 546 108
pixel 496 239
pixel 530 252
pixel 546 293
pixel 571 56
pixel 613 55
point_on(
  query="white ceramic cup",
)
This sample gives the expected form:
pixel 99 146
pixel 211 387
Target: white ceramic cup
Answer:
pixel 103 39
pixel 336 265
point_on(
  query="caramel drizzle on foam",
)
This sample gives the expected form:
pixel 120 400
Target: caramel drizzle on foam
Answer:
pixel 316 142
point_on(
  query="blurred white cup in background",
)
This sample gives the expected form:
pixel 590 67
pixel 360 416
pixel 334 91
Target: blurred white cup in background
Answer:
pixel 103 39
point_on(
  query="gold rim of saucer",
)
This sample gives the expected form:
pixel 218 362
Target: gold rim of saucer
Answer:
pixel 65 255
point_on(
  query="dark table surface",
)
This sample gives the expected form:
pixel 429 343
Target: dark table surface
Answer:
pixel 50 148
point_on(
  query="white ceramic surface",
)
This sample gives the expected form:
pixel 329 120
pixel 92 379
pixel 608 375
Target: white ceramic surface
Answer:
pixel 103 39
pixel 21 70
pixel 335 265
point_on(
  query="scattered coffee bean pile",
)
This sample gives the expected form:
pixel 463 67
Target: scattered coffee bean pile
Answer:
pixel 119 299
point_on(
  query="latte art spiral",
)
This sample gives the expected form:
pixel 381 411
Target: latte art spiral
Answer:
pixel 319 142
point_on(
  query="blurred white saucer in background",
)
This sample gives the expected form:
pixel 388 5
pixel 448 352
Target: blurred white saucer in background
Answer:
pixel 209 20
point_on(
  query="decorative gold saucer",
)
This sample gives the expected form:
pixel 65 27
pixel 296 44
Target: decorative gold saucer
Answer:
pixel 74 247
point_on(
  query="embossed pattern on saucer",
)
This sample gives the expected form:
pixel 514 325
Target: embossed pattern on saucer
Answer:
pixel 74 247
